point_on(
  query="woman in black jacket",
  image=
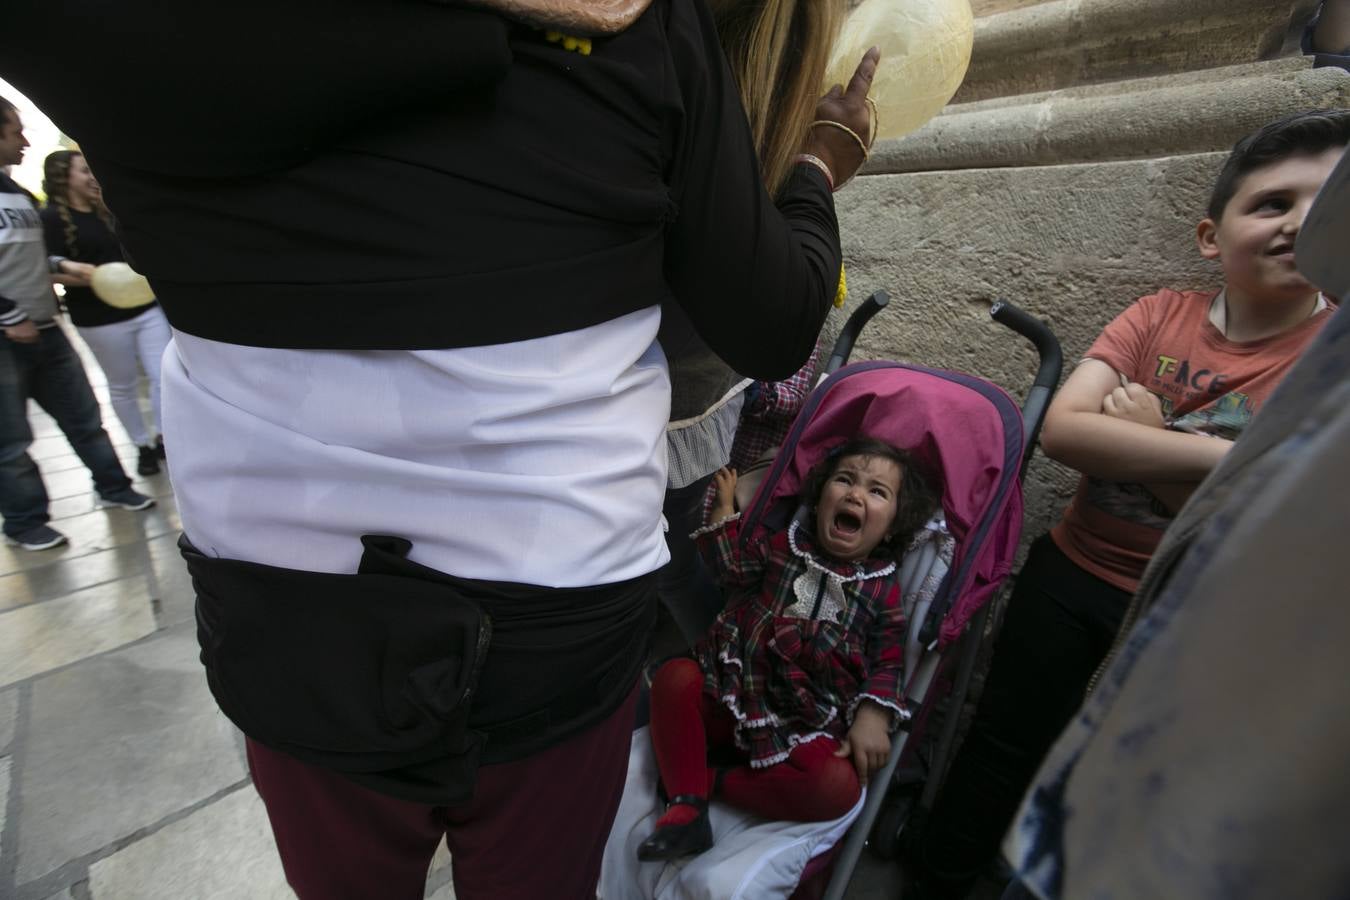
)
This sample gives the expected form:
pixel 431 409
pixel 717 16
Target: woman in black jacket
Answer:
pixel 126 341
pixel 415 261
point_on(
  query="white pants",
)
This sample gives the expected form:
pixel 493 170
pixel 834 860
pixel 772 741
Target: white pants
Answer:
pixel 122 350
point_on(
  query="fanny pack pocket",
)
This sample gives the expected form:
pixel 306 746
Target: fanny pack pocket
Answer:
pixel 358 673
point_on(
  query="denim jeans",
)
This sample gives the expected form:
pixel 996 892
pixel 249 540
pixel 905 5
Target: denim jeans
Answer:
pixel 50 373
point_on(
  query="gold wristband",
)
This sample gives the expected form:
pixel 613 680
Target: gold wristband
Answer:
pixel 862 145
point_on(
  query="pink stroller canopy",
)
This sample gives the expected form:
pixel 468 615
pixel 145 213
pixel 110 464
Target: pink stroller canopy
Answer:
pixel 966 429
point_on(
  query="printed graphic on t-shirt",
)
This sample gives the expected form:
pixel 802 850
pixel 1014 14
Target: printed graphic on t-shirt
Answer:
pixel 1226 417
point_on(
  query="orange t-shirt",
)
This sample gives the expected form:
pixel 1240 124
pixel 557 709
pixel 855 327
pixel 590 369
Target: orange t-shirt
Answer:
pixel 1207 384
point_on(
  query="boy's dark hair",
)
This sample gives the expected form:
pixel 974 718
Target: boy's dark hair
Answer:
pixel 1301 134
pixel 920 491
pixel 5 109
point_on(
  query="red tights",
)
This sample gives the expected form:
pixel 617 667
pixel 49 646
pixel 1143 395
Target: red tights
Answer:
pixel 811 785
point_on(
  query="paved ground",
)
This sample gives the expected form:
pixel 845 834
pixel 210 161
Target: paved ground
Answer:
pixel 119 778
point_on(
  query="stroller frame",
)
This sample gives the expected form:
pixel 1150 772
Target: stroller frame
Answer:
pixel 885 827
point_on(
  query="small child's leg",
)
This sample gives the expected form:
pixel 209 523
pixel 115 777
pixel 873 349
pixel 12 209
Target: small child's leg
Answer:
pixel 811 785
pixel 683 720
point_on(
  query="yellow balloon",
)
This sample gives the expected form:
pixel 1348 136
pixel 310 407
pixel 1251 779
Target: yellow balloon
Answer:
pixel 118 284
pixel 925 49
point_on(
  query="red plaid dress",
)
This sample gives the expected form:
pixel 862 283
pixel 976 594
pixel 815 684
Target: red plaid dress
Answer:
pixel 802 641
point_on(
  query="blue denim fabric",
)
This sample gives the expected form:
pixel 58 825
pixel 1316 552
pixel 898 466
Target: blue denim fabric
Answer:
pixel 50 373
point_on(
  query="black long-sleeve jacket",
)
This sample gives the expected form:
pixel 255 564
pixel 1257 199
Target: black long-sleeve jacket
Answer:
pixel 348 174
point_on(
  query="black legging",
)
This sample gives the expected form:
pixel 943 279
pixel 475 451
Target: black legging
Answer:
pixel 1060 624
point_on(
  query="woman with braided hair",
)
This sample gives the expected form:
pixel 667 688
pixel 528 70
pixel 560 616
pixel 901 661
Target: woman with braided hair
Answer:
pixel 78 227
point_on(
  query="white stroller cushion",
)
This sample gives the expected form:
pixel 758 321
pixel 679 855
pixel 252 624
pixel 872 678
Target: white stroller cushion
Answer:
pixel 751 858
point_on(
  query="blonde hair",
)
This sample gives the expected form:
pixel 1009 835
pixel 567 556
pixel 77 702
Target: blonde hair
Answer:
pixel 778 50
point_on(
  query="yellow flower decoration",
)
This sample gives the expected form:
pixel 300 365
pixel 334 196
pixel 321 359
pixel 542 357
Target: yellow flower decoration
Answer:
pixel 580 45
pixel 840 294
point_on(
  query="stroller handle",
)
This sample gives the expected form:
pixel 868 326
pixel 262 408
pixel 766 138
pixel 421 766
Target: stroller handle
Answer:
pixel 1036 331
pixel 1047 373
pixel 843 346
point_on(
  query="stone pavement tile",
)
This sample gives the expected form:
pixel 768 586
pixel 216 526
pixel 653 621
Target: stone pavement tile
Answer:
pixel 157 556
pixel 43 636
pixel 4 798
pixel 9 716
pixel 115 744
pixel 71 483
pixel 219 852
pixel 94 531
pixel 67 460
pixel 68 507
pixel 173 594
pixel 41 424
pixel 55 444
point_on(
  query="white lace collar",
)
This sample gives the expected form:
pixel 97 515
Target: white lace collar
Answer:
pixel 859 570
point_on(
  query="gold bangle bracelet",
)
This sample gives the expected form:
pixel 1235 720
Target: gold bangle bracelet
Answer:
pixel 862 145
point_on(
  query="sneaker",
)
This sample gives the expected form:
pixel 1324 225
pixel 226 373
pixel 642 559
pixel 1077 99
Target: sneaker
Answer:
pixel 39 538
pixel 159 446
pixel 127 499
pixel 148 462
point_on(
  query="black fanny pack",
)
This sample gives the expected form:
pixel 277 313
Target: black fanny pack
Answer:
pixel 406 679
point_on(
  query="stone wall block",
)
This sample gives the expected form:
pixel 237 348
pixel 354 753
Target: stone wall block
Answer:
pixel 1069 42
pixel 1159 119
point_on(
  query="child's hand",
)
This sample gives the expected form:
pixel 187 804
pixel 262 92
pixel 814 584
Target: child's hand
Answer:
pixel 1134 403
pixel 725 503
pixel 869 740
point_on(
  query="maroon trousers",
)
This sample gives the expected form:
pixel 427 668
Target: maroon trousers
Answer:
pixel 535 828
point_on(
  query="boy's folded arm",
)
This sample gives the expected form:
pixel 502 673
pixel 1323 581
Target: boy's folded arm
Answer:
pixel 1078 434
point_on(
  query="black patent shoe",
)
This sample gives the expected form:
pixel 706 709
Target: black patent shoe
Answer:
pixel 674 841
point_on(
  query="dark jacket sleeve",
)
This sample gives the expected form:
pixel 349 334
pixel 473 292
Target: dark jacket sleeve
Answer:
pixel 302 72
pixel 756 280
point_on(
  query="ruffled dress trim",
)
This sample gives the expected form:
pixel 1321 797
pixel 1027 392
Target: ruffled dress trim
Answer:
pixel 902 715
pixel 859 572
pixel 709 529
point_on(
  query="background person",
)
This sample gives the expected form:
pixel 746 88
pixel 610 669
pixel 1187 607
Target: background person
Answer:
pixel 1209 762
pixel 778 51
pixel 124 341
pixel 37 362
pixel 1156 403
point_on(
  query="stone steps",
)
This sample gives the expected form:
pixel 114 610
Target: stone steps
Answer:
pixel 1064 43
pixel 1193 112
